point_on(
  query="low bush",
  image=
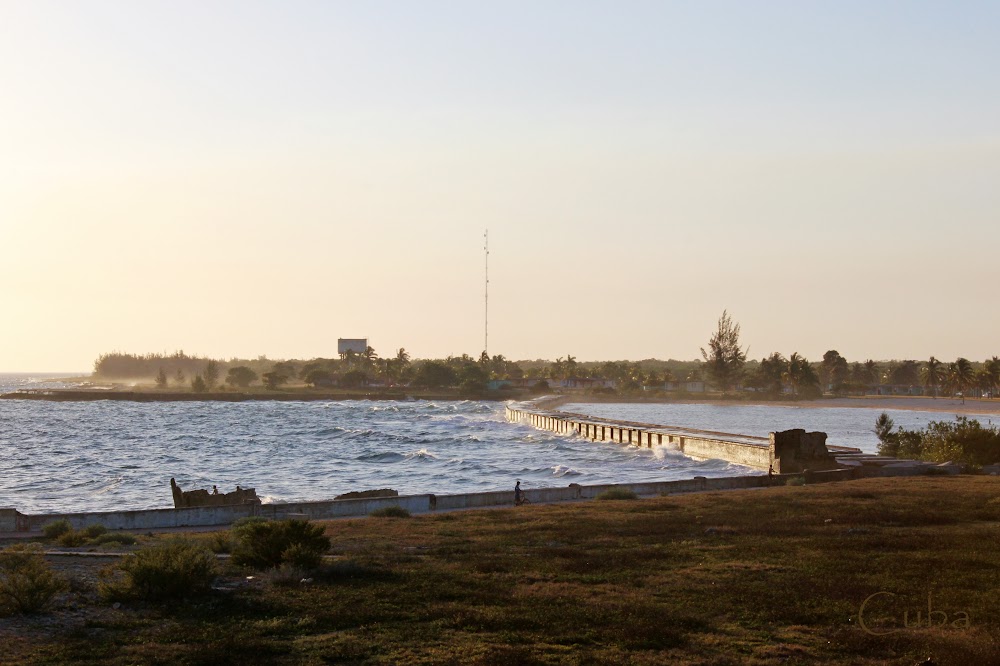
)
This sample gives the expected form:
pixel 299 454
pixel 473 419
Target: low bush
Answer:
pixel 56 528
pixel 174 569
pixel 390 512
pixel 617 494
pixel 27 582
pixel 94 531
pixel 115 538
pixel 962 440
pixel 268 544
pixel 796 481
pixel 72 539
pixel 221 542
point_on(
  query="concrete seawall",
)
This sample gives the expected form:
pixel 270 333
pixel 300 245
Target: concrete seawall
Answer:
pixel 12 520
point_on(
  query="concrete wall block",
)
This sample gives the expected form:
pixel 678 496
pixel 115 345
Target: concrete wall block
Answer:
pixel 473 500
pixel 8 519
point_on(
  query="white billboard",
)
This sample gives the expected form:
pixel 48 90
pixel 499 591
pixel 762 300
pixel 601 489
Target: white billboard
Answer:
pixel 356 345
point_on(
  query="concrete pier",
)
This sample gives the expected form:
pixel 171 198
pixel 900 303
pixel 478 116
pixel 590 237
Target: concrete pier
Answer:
pixel 786 452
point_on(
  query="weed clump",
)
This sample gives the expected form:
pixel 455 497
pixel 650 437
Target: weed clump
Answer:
pixel 56 529
pixel 175 569
pixel 27 582
pixel 115 539
pixel 390 512
pixel 268 544
pixel 796 481
pixel 617 494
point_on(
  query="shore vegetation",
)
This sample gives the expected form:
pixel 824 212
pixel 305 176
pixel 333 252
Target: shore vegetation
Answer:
pixel 819 573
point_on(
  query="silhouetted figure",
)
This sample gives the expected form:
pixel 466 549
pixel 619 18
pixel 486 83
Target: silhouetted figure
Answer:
pixel 770 471
pixel 518 495
pixel 215 490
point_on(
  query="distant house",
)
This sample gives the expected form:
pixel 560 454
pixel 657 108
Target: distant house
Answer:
pixel 583 383
pixel 689 386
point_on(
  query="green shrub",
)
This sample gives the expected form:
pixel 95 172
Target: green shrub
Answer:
pixel 390 512
pixel 962 440
pixel 117 538
pixel 221 542
pixel 268 544
pixel 302 557
pixel 27 582
pixel 56 529
pixel 796 481
pixel 94 531
pixel 72 539
pixel 617 494
pixel 174 569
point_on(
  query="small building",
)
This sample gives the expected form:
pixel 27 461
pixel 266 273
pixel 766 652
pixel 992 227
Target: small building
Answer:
pixel 689 386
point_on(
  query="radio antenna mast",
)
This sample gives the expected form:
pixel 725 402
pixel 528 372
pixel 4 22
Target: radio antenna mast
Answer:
pixel 486 322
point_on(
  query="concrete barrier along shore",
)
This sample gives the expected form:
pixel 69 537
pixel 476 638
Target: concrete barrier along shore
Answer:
pixel 11 520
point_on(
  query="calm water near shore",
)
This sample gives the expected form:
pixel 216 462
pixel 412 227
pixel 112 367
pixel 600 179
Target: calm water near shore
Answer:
pixel 95 456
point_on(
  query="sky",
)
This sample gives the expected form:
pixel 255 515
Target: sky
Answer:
pixel 238 179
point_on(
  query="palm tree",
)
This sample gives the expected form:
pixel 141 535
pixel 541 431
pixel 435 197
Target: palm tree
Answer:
pixel 571 366
pixel 992 366
pixel 984 382
pixel 960 376
pixel 931 374
pixel 871 369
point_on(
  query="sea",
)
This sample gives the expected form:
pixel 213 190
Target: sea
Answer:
pixel 113 455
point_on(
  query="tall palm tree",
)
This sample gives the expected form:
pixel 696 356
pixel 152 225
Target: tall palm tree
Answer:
pixel 871 369
pixel 960 376
pixel 992 366
pixel 931 374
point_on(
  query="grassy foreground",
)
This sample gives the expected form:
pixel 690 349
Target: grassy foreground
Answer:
pixel 771 576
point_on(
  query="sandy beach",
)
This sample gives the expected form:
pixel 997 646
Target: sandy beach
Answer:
pixel 949 405
pixel 913 403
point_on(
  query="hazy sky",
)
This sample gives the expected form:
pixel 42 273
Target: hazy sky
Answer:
pixel 248 178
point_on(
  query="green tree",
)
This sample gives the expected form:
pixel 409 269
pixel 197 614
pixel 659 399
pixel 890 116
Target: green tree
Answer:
pixel 434 374
pixel 211 374
pixel 241 376
pixel 161 379
pixel 198 384
pixel 770 374
pixel 834 370
pixel 887 439
pixel 725 358
pixel 272 380
pixel 931 375
pixel 960 376
pixel 353 379
pixel 318 376
pixel 802 377
pixel 873 372
pixel 992 367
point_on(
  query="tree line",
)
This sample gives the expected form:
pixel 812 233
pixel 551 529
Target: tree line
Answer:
pixel 727 368
pixel 724 366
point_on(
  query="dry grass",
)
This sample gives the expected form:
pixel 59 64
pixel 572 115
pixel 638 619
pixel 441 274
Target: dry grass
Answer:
pixel 769 576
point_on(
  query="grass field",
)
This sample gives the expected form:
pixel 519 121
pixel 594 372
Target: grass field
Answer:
pixel 770 576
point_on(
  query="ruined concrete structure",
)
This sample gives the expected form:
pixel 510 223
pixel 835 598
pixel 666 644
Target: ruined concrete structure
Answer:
pixel 797 450
pixel 193 498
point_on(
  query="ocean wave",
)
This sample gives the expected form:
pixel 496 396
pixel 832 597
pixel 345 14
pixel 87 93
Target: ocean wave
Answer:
pixel 560 471
pixel 422 454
